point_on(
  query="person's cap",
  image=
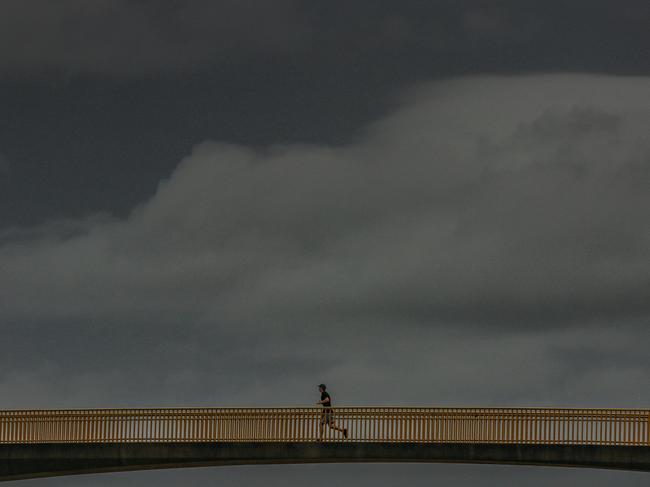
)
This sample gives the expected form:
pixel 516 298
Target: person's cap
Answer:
pixel 322 385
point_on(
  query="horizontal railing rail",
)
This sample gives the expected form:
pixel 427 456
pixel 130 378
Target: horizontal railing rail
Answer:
pixel 543 426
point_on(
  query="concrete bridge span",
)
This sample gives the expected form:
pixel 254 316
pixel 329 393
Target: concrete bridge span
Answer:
pixel 50 443
pixel 45 460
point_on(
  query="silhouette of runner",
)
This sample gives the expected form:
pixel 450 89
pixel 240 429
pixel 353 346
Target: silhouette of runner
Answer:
pixel 327 418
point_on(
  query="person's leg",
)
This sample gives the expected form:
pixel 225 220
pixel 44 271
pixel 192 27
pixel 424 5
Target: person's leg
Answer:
pixel 337 428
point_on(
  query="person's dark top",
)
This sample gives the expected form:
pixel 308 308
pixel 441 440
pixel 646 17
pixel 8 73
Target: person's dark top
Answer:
pixel 326 397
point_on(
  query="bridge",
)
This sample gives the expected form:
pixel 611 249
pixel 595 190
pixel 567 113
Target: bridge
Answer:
pixel 41 443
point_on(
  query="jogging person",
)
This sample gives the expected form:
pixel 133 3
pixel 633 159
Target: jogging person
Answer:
pixel 327 417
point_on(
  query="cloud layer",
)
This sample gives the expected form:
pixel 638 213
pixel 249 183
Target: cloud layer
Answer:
pixel 492 232
pixel 127 37
pixel 145 37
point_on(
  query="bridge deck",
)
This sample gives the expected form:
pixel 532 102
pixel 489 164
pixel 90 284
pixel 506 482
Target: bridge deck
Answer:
pixel 44 443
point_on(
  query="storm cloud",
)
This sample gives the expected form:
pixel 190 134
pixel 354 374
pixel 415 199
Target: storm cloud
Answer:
pixel 126 38
pixel 4 164
pixel 491 232
pixel 93 91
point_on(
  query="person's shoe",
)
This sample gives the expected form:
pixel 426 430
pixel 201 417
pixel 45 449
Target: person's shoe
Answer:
pixel 345 433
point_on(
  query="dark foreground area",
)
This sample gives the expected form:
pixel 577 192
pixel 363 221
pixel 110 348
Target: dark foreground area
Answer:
pixel 44 460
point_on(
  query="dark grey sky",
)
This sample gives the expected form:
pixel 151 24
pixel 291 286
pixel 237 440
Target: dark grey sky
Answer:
pixel 99 100
pixel 417 202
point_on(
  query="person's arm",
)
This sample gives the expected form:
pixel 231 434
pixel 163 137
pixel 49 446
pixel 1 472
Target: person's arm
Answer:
pixel 327 400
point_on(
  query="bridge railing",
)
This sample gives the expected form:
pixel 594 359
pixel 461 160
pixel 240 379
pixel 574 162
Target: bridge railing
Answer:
pixel 400 425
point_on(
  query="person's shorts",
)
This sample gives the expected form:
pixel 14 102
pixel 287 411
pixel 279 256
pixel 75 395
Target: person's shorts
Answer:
pixel 327 416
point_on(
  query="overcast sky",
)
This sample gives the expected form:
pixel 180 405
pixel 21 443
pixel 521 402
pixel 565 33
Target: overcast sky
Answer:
pixel 417 202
